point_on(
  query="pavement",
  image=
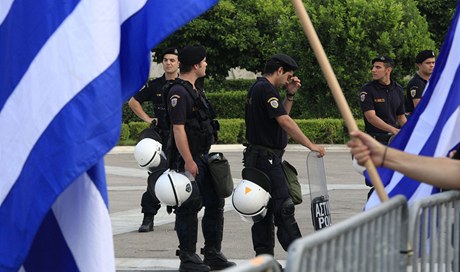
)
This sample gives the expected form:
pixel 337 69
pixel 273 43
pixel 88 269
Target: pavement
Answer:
pixel 155 251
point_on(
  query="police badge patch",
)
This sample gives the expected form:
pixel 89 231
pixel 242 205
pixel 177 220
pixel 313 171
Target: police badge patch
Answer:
pixel 363 96
pixel 173 100
pixel 273 102
pixel 413 92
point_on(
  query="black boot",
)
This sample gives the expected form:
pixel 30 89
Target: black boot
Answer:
pixel 147 223
pixel 190 261
pixel 215 259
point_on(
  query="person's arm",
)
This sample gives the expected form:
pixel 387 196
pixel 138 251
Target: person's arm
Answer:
pixel 402 120
pixel 292 87
pixel 415 101
pixel 377 122
pixel 180 137
pixel 440 172
pixel 136 107
pixel 291 128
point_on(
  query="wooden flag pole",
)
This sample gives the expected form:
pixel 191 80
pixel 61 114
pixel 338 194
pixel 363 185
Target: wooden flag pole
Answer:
pixel 315 43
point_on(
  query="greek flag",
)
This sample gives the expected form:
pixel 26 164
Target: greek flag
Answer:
pixel 434 128
pixel 66 67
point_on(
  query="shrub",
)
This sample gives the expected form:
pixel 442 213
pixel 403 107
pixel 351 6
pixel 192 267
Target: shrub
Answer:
pixel 136 128
pixel 233 131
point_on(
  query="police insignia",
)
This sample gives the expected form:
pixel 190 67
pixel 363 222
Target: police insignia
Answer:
pixel 413 92
pixel 363 97
pixel 273 102
pixel 173 102
pixel 174 99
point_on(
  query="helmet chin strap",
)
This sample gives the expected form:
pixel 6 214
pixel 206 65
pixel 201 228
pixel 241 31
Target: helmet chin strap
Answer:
pixel 173 189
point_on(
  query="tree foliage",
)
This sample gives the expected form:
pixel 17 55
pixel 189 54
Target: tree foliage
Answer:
pixel 438 14
pixel 236 34
pixel 353 32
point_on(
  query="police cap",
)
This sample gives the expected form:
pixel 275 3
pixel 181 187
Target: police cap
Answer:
pixel 170 50
pixel 423 55
pixel 192 54
pixel 384 59
pixel 258 177
pixel 287 60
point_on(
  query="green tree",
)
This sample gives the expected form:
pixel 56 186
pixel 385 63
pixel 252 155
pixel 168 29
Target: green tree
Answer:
pixel 438 14
pixel 236 34
pixel 352 32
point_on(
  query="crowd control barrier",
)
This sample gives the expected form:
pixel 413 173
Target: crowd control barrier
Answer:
pixel 389 237
pixel 434 233
pixel 370 241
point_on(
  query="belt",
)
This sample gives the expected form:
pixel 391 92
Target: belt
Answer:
pixel 258 148
pixel 382 137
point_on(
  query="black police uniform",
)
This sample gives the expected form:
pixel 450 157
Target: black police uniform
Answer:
pixel 266 143
pixel 388 103
pixel 153 91
pixel 190 108
pixel 414 90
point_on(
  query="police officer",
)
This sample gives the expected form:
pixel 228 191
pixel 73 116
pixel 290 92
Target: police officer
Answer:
pixel 382 104
pixel 153 92
pixel 382 101
pixel 268 125
pixel 193 133
pixel 425 61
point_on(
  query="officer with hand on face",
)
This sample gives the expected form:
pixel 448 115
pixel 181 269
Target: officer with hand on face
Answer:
pixel 268 125
pixel 194 130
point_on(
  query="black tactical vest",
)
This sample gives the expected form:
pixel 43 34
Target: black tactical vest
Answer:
pixel 201 128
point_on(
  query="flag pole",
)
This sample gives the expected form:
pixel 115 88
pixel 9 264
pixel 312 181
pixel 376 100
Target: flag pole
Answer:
pixel 315 43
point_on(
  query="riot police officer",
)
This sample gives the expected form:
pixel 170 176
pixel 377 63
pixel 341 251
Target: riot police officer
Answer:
pixel 382 102
pixel 194 130
pixel 268 125
pixel 425 61
pixel 153 91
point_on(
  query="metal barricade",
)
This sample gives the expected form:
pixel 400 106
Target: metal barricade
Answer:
pixel 434 228
pixel 261 263
pixel 370 241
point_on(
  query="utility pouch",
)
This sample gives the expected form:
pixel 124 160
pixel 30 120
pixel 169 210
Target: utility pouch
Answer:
pixel 290 173
pixel 221 174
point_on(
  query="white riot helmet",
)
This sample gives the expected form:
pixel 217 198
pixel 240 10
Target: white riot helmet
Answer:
pixel 250 197
pixel 173 188
pixel 148 153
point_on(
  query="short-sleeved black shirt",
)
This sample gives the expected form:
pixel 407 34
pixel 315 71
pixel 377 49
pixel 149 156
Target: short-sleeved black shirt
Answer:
pixel 153 91
pixel 263 105
pixel 180 104
pixel 414 90
pixel 386 100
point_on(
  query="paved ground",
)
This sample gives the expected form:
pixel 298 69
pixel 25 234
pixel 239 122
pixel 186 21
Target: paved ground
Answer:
pixel 155 251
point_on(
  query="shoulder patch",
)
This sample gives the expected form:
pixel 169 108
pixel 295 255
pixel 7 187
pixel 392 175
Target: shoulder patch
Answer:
pixel 362 96
pixel 413 91
pixel 273 102
pixel 173 100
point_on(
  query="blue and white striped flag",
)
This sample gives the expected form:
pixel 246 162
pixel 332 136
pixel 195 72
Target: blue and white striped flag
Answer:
pixel 434 128
pixel 66 67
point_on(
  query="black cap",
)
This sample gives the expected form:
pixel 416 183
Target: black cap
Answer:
pixel 423 55
pixel 170 50
pixel 384 59
pixel 286 60
pixel 193 54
